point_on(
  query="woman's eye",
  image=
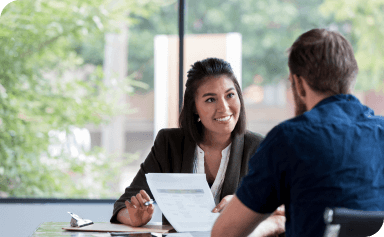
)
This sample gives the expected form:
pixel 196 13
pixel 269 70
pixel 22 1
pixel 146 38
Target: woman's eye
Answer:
pixel 230 95
pixel 209 100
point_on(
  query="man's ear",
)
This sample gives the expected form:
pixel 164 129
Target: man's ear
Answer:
pixel 299 85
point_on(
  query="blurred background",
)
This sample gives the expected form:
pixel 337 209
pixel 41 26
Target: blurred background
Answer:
pixel 85 85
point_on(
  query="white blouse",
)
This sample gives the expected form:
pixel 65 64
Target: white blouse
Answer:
pixel 198 168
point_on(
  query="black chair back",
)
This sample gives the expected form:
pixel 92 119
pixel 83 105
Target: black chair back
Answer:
pixel 343 222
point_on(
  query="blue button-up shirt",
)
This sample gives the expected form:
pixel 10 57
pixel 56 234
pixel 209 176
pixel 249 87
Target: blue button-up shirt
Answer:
pixel 331 156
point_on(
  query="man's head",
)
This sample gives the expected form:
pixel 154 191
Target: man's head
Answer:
pixel 325 60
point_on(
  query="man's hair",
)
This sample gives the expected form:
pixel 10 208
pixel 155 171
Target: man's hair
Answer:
pixel 325 60
pixel 201 70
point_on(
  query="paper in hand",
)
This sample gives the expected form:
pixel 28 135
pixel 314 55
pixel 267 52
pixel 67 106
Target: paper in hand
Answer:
pixel 185 200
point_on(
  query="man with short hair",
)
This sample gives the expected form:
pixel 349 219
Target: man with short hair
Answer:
pixel 330 155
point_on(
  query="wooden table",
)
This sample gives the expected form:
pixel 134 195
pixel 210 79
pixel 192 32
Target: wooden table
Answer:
pixel 51 229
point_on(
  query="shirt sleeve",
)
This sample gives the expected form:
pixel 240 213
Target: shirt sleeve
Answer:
pixel 264 188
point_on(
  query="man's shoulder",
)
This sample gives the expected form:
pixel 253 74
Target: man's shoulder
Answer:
pixel 274 137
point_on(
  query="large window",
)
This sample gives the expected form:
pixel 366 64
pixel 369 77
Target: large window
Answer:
pixel 76 94
pixel 86 85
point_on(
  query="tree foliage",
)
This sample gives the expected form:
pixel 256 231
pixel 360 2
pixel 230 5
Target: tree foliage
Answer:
pixel 363 22
pixel 36 98
pixel 268 28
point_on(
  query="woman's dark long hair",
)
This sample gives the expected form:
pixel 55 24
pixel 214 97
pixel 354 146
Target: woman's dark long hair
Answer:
pixel 200 70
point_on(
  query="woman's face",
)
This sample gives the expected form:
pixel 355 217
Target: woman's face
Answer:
pixel 218 105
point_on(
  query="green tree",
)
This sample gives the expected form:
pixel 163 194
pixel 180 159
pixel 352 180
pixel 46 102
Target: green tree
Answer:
pixel 36 49
pixel 268 28
pixel 363 23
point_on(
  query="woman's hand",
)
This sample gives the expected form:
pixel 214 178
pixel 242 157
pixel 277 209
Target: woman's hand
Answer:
pixel 272 226
pixel 135 213
pixel 222 204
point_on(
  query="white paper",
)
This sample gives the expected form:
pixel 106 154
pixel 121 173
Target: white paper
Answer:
pixel 179 235
pixel 201 234
pixel 190 234
pixel 185 200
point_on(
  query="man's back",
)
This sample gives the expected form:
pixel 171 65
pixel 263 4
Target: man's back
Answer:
pixel 331 156
pixel 338 160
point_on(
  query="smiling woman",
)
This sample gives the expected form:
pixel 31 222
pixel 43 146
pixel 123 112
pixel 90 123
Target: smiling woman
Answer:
pixel 200 90
pixel 211 139
pixel 218 106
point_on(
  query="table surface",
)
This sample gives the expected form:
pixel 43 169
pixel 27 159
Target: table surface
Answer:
pixel 50 229
pixel 53 229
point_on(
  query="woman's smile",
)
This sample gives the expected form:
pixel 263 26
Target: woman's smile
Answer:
pixel 223 119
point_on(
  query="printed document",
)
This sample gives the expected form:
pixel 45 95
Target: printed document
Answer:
pixel 185 200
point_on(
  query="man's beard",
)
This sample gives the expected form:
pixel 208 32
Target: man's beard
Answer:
pixel 300 106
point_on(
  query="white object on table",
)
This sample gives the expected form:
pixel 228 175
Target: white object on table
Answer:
pixel 185 200
pixel 179 235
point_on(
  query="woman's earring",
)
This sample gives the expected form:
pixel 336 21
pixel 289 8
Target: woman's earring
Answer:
pixel 198 119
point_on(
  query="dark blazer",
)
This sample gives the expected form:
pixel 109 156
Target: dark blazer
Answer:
pixel 174 151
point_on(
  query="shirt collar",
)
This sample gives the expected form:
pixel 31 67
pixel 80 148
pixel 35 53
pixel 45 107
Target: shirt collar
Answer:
pixel 339 97
pixel 224 152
